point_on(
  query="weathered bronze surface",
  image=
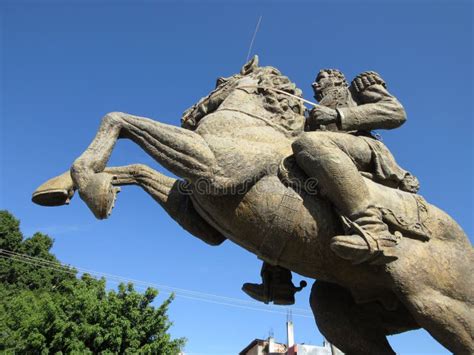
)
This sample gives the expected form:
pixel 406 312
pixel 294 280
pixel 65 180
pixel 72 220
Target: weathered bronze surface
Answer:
pixel 329 203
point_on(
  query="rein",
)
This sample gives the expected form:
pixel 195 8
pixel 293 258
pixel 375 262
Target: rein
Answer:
pixel 278 91
pixel 264 88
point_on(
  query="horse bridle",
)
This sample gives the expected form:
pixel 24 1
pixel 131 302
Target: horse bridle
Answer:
pixel 264 88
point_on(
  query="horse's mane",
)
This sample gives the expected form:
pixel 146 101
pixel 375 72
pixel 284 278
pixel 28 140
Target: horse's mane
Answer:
pixel 287 111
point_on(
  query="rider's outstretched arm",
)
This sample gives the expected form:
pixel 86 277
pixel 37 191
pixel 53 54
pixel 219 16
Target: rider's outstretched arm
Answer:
pixel 377 109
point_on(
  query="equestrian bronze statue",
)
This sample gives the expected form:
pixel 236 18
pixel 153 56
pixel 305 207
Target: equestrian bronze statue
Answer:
pixel 318 195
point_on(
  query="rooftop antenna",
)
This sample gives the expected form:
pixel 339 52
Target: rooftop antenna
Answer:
pixel 253 38
pixel 290 332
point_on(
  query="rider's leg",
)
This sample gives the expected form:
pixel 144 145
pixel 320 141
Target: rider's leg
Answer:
pixel 385 169
pixel 181 151
pixel 335 159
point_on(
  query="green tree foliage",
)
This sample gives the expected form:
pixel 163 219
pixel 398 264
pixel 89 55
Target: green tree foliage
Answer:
pixel 48 310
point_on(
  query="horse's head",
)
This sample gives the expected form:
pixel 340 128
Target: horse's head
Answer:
pixel 277 94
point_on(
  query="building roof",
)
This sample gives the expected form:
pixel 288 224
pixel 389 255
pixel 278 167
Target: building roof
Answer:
pixel 251 345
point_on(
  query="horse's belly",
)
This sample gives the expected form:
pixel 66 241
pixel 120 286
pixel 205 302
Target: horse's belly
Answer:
pixel 273 221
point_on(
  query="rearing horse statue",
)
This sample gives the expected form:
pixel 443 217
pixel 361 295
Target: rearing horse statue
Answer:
pixel 233 153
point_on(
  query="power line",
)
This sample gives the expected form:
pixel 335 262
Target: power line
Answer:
pixel 121 278
pixel 188 294
pixel 117 279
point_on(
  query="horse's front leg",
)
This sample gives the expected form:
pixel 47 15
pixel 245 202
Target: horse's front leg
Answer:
pixel 170 193
pixel 181 151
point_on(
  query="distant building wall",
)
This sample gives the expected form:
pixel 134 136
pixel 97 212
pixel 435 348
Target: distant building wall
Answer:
pixel 270 347
pixel 303 349
pixel 256 350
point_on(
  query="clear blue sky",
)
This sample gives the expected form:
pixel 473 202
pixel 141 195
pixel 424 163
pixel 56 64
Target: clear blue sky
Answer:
pixel 64 64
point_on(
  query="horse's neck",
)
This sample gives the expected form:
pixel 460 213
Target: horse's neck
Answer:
pixel 244 101
pixel 251 104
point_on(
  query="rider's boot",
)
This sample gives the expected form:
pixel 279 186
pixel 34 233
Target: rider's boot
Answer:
pixel 283 295
pixel 368 239
pixel 258 292
pixel 261 292
pixel 276 286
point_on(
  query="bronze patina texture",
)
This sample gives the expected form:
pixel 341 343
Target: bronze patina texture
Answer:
pixel 315 193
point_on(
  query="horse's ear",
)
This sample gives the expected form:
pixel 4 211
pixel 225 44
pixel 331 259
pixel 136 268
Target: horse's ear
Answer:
pixel 250 66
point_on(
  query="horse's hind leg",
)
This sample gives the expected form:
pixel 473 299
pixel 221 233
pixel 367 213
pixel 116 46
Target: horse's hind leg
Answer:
pixel 449 321
pixel 181 151
pixel 435 282
pixel 353 328
pixel 171 194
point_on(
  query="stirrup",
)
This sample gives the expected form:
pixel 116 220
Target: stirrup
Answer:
pixel 377 254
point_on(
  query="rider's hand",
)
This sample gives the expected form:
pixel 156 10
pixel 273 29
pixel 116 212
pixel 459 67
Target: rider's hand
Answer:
pixel 322 115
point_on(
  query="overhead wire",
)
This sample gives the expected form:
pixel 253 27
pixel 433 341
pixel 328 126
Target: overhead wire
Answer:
pixel 145 285
pixel 98 273
pixel 182 293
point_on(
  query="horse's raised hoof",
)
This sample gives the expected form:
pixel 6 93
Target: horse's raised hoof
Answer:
pixel 57 191
pixel 99 194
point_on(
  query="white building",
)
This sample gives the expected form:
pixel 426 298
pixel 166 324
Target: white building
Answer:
pixel 270 347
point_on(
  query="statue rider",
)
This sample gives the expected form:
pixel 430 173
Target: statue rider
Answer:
pixel 339 149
